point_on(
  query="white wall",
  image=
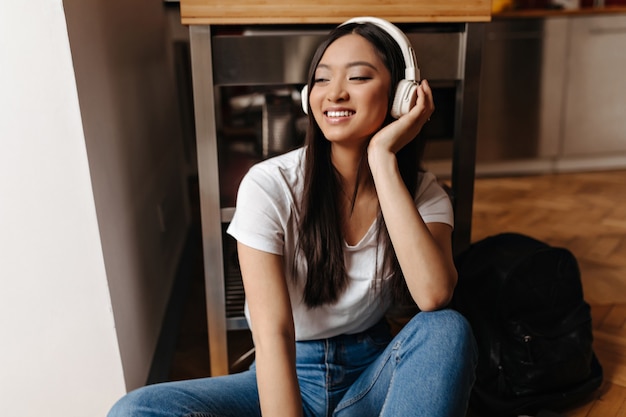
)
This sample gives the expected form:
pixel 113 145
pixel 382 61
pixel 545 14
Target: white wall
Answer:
pixel 93 213
pixel 59 353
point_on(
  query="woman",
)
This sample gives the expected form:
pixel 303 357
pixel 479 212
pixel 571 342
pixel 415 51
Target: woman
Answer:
pixel 329 236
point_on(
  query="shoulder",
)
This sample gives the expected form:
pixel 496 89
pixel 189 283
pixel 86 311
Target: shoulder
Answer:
pixel 428 186
pixel 285 168
pixel 275 182
pixel 267 202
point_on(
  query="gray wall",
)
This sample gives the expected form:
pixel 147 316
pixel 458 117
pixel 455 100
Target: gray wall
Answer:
pixel 126 87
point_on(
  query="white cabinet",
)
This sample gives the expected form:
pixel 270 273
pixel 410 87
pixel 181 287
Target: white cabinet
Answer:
pixel 594 113
pixel 553 96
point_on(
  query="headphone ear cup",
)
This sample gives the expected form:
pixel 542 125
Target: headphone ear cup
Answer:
pixel 304 95
pixel 405 98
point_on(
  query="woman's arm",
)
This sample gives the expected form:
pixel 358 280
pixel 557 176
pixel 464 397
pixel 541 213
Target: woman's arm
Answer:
pixel 424 251
pixel 272 330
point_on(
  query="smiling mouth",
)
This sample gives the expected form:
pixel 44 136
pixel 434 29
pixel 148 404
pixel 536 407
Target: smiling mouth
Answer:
pixel 343 113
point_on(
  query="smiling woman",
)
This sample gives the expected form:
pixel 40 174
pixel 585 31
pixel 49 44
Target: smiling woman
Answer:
pixel 329 236
pixel 349 97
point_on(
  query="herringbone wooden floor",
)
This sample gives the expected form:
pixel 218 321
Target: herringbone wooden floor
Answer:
pixel 584 212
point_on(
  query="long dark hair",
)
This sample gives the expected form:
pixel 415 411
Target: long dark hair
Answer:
pixel 321 240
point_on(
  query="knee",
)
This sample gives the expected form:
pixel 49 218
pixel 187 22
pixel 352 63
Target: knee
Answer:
pixel 133 404
pixel 123 407
pixel 446 330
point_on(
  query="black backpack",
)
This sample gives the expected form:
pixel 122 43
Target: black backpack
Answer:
pixel 524 301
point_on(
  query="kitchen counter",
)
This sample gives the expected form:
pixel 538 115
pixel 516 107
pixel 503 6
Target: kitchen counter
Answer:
pixel 539 13
pixel 202 12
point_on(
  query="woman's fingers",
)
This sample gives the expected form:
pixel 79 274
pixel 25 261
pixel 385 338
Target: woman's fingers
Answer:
pixel 425 104
pixel 400 132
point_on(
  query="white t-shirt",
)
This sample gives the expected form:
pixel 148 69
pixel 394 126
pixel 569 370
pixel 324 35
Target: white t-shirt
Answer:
pixel 266 218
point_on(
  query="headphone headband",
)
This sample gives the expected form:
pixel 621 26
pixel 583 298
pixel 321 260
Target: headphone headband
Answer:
pixel 411 71
pixel 406 90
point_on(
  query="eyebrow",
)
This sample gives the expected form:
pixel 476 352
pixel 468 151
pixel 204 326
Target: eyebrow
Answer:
pixel 351 64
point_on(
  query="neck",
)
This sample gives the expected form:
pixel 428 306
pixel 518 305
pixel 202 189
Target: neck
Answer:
pixel 352 166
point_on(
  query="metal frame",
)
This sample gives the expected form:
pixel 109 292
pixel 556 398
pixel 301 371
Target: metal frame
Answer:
pixel 208 175
pixel 464 147
pixel 212 215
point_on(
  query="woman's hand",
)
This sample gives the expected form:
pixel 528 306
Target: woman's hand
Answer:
pixel 397 134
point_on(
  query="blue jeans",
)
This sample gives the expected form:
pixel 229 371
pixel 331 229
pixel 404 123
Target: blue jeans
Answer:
pixel 427 370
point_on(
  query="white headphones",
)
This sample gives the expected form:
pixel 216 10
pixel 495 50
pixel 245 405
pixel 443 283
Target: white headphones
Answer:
pixel 406 91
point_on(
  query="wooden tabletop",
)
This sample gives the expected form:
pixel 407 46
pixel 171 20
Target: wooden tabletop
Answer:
pixel 227 12
pixel 546 13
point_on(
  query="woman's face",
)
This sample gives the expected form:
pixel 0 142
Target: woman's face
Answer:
pixel 349 96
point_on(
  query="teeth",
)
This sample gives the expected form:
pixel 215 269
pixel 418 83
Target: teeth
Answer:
pixel 344 113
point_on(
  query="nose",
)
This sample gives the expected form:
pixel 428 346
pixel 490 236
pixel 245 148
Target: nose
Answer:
pixel 336 91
